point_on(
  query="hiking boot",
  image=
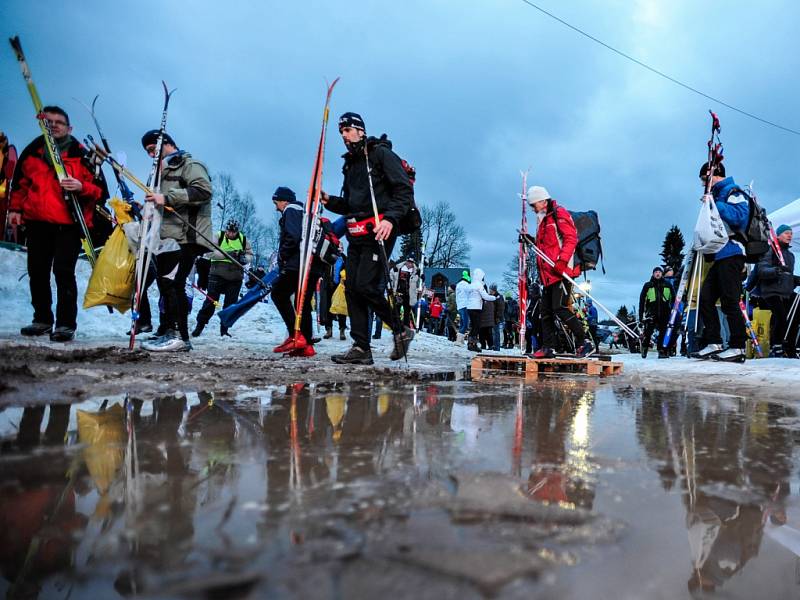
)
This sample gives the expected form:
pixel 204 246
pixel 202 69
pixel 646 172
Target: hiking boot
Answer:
pixel 707 352
pixel 306 352
pixel 328 333
pixel 291 343
pixel 663 354
pixel 354 356
pixel 314 340
pixel 198 329
pixel 544 353
pixel 343 335
pixel 62 334
pixel 401 343
pixel 584 349
pixel 734 355
pixel 473 346
pixel 36 329
pixel 223 331
pixel 169 342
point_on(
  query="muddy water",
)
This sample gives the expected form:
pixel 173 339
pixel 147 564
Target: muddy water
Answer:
pixel 449 490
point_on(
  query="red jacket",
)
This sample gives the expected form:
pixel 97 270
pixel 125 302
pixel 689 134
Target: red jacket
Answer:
pixel 547 240
pixel 36 192
pixel 436 308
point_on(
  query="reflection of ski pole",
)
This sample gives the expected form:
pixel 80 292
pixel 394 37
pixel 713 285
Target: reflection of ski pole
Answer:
pixel 749 326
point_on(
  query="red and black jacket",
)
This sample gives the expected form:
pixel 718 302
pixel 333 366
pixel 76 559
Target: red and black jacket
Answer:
pixel 37 194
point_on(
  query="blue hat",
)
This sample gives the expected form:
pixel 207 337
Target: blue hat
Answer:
pixel 285 194
pixel 782 228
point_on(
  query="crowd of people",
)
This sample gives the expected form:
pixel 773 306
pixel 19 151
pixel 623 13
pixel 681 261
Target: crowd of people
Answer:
pixel 358 285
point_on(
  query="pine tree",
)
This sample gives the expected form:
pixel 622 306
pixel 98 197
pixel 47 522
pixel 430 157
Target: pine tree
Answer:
pixel 672 248
pixel 411 244
pixel 623 314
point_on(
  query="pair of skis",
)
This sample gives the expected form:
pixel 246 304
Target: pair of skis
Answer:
pixel 74 206
pixel 522 265
pixel 312 229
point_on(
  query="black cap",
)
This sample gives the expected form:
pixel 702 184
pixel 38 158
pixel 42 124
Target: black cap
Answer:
pixel 659 269
pixel 351 119
pixel 719 169
pixel 151 137
pixel 285 194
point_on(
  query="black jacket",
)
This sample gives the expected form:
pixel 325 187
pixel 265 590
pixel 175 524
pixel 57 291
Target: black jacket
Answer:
pixel 291 230
pixel 394 194
pixel 660 303
pixel 773 279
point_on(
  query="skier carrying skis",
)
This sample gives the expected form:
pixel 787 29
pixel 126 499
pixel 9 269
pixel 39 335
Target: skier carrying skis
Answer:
pixel 291 233
pixel 186 190
pixel 556 237
pixel 224 278
pixel 406 286
pixel 655 301
pixel 367 269
pixel 53 237
pixel 724 280
pixel 777 282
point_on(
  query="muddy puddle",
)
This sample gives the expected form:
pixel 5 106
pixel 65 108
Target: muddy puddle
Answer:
pixel 439 490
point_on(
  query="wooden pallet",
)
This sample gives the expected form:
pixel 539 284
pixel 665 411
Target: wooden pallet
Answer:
pixel 488 366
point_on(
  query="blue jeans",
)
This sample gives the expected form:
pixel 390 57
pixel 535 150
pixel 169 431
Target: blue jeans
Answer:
pixel 462 328
pixel 496 336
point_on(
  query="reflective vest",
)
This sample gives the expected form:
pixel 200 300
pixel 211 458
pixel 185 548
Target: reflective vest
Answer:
pixel 236 244
pixel 666 294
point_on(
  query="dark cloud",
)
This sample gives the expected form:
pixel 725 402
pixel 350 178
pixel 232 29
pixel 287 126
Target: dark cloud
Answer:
pixel 469 92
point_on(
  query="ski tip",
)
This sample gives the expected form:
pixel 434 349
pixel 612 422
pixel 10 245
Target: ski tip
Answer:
pixel 95 102
pixel 332 85
pixel 17 46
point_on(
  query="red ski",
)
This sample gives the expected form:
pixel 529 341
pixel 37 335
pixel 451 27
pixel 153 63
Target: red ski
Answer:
pixel 522 265
pixel 311 228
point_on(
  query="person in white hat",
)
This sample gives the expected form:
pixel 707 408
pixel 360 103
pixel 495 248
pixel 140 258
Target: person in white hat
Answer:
pixel 556 237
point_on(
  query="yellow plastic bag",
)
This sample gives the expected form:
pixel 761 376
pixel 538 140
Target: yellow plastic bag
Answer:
pixel 338 300
pixel 761 319
pixel 113 276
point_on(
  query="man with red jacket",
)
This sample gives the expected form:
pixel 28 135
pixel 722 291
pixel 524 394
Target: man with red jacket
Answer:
pixel 53 237
pixel 556 237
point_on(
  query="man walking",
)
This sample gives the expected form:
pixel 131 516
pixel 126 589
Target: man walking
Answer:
pixel 655 303
pixel 370 167
pixel 53 237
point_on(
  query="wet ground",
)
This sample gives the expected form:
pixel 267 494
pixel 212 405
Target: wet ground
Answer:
pixel 562 489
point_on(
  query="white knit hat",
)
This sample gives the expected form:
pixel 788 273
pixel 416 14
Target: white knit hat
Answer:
pixel 537 193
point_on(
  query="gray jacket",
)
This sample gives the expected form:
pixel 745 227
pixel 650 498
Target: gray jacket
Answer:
pixel 186 185
pixel 773 279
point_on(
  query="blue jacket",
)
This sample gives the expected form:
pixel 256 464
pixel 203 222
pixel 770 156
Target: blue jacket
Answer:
pixel 734 210
pixel 591 314
pixel 291 234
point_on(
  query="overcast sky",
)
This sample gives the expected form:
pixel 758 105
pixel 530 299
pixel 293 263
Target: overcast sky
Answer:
pixel 470 93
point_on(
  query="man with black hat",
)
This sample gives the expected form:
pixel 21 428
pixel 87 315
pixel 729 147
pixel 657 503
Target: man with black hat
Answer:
pixel 224 278
pixel 53 237
pixel 291 235
pixel 723 282
pixel 367 263
pixel 655 302
pixel 186 191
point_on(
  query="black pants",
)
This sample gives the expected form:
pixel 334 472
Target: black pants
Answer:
pixel 405 304
pixel 723 283
pixel 173 268
pixel 366 289
pixel 778 323
pixel 217 287
pixel 283 291
pixel 474 323
pixel 53 248
pixel 659 322
pixel 554 304
pixel 487 337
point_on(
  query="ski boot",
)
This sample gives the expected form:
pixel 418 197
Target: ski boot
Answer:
pixel 709 351
pixel 544 353
pixel 734 355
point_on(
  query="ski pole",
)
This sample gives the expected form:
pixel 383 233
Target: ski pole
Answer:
pixel 550 262
pixel 790 318
pixel 750 330
pixel 209 298
pixel 138 183
pixel 384 258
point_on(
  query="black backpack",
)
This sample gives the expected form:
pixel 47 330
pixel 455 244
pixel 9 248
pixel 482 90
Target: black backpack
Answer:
pixel 589 250
pixel 755 237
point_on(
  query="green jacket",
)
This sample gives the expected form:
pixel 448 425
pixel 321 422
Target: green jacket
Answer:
pixel 186 185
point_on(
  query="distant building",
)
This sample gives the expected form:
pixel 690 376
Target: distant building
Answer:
pixel 438 280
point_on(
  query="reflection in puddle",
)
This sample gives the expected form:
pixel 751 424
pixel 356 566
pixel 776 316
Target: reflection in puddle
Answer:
pixel 430 490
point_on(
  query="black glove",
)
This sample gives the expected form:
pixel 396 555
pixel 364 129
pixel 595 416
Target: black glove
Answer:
pixel 785 268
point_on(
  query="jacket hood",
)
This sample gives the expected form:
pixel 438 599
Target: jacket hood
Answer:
pixel 478 275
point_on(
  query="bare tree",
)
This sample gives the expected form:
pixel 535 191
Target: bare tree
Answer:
pixel 510 275
pixel 446 243
pixel 230 204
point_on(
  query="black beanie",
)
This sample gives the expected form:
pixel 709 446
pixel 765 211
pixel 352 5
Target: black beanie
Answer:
pixel 351 119
pixel 151 137
pixel 719 169
pixel 659 269
pixel 285 194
